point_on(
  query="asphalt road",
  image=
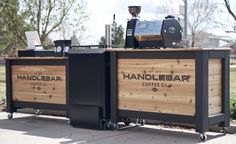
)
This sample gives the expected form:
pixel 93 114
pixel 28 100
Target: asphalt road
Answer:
pixel 30 129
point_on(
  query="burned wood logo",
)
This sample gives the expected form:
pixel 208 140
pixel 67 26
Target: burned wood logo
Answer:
pixel 156 81
pixel 160 77
pixel 39 78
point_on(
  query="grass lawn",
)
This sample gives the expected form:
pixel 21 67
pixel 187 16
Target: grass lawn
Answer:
pixel 2 91
pixel 2 73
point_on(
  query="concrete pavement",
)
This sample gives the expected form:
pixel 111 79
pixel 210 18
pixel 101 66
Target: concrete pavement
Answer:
pixel 30 129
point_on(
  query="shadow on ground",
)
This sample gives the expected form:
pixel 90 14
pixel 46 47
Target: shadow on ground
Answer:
pixel 59 129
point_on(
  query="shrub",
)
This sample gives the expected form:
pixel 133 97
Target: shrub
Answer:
pixel 233 107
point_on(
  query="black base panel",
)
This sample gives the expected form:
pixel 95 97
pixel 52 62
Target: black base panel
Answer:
pixel 216 119
pixel 157 116
pixel 85 116
pixel 40 106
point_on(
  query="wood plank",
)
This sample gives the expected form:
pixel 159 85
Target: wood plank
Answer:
pixel 44 84
pixel 215 86
pixel 157 85
pixel 168 49
pixel 42 98
pixel 153 106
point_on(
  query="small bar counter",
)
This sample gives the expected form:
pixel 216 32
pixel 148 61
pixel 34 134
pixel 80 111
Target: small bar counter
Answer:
pixel 187 85
pixel 36 82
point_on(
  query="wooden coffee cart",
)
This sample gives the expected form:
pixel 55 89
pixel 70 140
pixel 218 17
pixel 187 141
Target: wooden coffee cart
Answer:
pixel 36 82
pixel 187 85
pixel 101 87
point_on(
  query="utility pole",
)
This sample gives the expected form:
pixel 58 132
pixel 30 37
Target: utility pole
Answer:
pixel 185 19
pixel 113 35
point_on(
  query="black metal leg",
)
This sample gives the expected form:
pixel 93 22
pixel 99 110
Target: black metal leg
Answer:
pixel 202 92
pixel 225 90
pixel 113 92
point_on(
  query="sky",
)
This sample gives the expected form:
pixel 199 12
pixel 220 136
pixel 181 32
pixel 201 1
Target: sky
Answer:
pixel 101 13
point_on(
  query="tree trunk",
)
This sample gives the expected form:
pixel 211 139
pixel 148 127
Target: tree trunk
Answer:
pixel 193 41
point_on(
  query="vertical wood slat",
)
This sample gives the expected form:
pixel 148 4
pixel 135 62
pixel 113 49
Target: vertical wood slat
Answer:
pixel 215 86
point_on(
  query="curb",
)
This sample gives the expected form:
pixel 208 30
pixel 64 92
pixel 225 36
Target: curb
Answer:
pixel 230 130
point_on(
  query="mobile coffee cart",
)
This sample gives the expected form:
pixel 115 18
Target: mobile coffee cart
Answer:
pixel 187 85
pixel 38 80
pixel 146 80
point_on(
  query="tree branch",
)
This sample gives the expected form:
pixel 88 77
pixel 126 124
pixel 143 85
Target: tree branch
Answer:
pixel 51 6
pixel 60 20
pixel 39 15
pixel 229 9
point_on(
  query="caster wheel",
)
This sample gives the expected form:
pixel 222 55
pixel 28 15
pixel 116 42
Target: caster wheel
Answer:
pixel 107 125
pixel 126 121
pixel 10 116
pixel 224 130
pixel 115 127
pixel 203 137
pixel 142 122
pixel 37 112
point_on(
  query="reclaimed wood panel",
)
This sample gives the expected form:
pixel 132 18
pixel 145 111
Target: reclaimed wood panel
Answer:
pixel 157 85
pixel 39 84
pixel 215 86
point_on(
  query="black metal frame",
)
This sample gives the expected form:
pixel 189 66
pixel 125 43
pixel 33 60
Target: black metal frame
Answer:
pixel 89 88
pixel 12 106
pixel 201 119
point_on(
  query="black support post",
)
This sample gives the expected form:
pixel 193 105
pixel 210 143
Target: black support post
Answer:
pixel 10 108
pixel 201 91
pixel 225 89
pixel 113 92
pixel 67 88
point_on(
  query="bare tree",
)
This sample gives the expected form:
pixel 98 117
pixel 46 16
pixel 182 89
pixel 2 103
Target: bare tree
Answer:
pixel 53 15
pixel 166 8
pixel 44 16
pixel 200 15
pixel 227 4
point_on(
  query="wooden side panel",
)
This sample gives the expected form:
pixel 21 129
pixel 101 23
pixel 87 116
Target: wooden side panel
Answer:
pixel 215 86
pixel 157 85
pixel 42 84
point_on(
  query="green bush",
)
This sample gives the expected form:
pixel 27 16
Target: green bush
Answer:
pixel 233 107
